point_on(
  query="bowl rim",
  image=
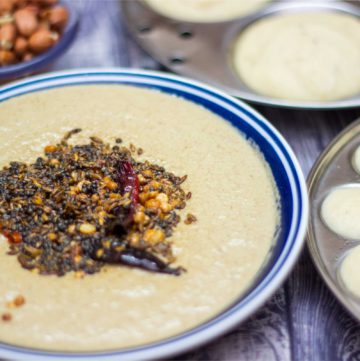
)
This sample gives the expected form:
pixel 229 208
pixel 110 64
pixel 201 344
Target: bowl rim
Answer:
pixel 39 61
pixel 221 322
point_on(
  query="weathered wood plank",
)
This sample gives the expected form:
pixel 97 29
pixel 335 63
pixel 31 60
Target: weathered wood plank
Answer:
pixel 102 40
pixel 320 328
pixel 264 337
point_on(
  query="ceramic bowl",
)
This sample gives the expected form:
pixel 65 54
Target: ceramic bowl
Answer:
pixel 285 168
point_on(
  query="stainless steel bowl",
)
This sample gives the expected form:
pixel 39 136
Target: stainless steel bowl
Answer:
pixel 333 169
pixel 203 50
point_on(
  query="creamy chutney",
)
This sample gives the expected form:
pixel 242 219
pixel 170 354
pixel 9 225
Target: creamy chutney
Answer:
pixel 205 10
pixel 302 56
pixel 233 197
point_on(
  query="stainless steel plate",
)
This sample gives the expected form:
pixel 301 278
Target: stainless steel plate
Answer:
pixel 333 168
pixel 203 50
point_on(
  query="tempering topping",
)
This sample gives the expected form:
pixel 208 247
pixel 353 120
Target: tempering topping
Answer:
pixel 190 218
pixel 81 206
pixel 6 317
pixel 18 301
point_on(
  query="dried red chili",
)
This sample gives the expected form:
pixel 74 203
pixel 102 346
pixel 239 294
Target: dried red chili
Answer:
pixel 129 182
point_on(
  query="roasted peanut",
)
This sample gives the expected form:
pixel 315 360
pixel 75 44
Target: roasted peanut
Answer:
pixel 41 41
pixel 37 200
pixel 110 184
pixel 50 148
pixel 164 202
pixel 52 236
pixel 33 8
pixel 8 32
pixel 7 36
pixel 19 301
pixel 26 21
pixel 134 239
pixel 6 6
pixel 147 173
pixel 27 56
pixel 154 236
pixel 87 228
pixel 43 25
pixel 139 217
pixel 54 162
pixel 58 17
pixel 71 229
pixel 7 57
pixel 99 253
pixel 152 203
pixel 20 46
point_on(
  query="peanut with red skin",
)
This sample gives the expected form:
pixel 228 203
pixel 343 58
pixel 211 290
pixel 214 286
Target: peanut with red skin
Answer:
pixel 27 57
pixel 41 41
pixel 7 57
pixel 6 6
pixel 20 46
pixel 7 36
pixel 58 17
pixel 44 25
pixel 33 8
pixel 44 14
pixel 26 22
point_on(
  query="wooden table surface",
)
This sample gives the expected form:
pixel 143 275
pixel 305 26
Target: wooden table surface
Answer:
pixel 302 321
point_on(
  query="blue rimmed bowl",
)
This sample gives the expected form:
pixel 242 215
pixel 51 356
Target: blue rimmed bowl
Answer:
pixel 285 168
pixel 42 60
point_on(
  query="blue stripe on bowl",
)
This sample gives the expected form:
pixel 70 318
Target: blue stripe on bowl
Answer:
pixel 290 183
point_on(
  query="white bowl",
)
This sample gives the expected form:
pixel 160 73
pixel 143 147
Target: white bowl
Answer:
pixel 287 173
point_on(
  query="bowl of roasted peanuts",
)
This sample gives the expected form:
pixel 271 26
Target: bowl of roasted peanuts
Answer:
pixel 33 33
